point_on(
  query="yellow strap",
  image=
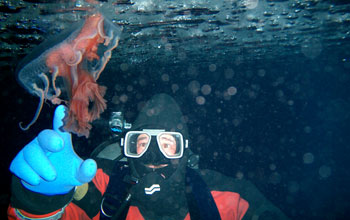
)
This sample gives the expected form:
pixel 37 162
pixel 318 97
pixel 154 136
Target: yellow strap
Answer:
pixel 80 191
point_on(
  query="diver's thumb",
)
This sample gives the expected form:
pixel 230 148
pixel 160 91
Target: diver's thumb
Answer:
pixel 87 171
pixel 58 123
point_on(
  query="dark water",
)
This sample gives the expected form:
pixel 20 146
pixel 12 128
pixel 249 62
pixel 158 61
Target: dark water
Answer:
pixel 275 111
pixel 283 127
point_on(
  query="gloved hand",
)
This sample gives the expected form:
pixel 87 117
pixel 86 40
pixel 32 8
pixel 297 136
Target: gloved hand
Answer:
pixel 49 165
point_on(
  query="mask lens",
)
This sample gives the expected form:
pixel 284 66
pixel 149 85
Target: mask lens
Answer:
pixel 171 144
pixel 136 144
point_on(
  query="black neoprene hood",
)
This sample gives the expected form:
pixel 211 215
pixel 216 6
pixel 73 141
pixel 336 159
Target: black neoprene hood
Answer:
pixel 161 112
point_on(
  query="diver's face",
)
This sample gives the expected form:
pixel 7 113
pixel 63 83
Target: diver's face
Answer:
pixel 142 142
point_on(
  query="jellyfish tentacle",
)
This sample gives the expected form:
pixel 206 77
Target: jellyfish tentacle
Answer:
pixel 100 28
pixel 101 31
pixel 74 75
pixel 41 95
pixel 46 81
pixel 109 37
pixel 106 57
pixel 54 76
pixel 57 91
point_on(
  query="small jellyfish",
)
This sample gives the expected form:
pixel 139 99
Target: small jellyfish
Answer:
pixel 73 65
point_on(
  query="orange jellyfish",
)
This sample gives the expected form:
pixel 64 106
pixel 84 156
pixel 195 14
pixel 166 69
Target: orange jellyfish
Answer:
pixel 73 65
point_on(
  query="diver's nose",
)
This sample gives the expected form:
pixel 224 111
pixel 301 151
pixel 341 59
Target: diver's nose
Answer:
pixel 153 154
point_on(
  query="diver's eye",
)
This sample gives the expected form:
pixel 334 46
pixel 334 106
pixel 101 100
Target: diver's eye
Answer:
pixel 165 146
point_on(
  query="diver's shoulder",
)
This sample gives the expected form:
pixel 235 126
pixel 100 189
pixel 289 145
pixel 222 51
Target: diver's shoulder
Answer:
pixel 108 154
pixel 220 182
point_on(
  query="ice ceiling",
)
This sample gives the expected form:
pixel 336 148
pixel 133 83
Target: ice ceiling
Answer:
pixel 239 31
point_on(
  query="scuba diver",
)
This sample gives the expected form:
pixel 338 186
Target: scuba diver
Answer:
pixel 159 179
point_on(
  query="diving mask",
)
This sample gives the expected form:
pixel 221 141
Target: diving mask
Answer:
pixel 171 144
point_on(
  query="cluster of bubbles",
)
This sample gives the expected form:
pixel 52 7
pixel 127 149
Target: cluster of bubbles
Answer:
pixel 324 171
pixel 200 91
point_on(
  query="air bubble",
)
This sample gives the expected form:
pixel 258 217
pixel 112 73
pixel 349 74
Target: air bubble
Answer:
pixel 325 171
pixel 212 67
pixel 182 55
pixel 290 102
pixel 311 48
pixel 293 187
pixel 174 87
pixel 168 46
pixel 115 100
pixel 192 71
pixel 236 122
pixel 308 158
pixel 307 129
pixel 200 100
pixel 239 175
pixel 261 73
pixel 124 67
pixel 123 98
pixel 180 126
pixel 272 166
pixel 165 77
pixel 129 88
pixel 206 89
pixel 229 73
pixel 194 86
pixel 275 178
pixel 232 91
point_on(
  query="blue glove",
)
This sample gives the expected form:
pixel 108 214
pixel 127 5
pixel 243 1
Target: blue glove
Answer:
pixel 49 165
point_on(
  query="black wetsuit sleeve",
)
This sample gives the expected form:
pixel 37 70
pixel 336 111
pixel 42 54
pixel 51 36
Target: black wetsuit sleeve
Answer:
pixel 36 203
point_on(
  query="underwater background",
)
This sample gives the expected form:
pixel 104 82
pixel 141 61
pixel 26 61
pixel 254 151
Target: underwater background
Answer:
pixel 264 87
